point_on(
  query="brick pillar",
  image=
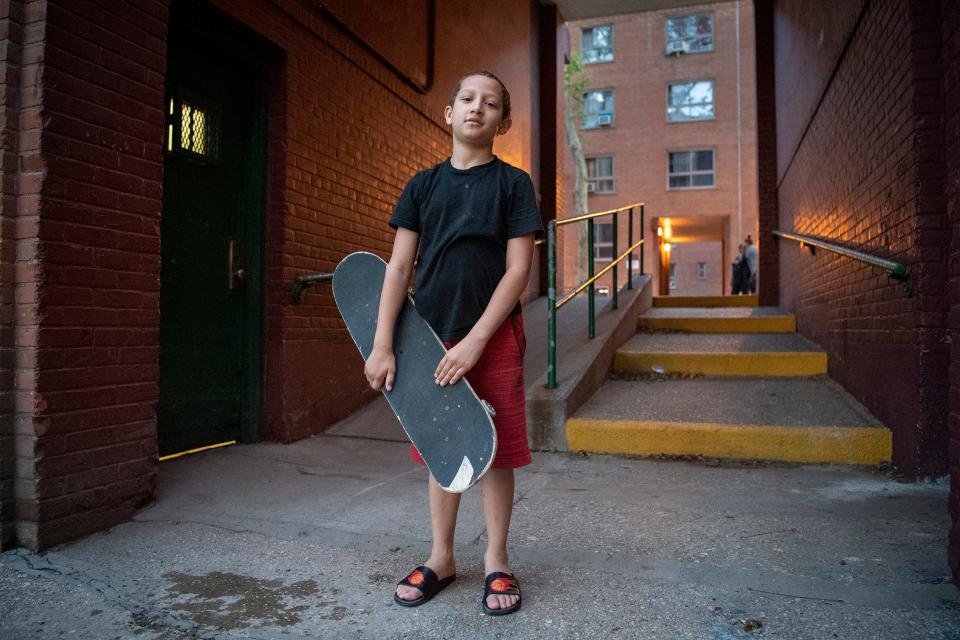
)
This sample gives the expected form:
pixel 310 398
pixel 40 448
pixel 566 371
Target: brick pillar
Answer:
pixel 950 29
pixel 549 121
pixel 933 238
pixel 769 216
pixel 87 370
pixel 21 170
pixel 11 32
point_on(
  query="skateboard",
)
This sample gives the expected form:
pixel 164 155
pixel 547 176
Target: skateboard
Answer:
pixel 450 426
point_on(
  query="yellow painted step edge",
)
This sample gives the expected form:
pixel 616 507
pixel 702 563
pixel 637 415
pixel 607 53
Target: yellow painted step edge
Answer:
pixel 705 301
pixel 846 445
pixel 756 324
pixel 773 363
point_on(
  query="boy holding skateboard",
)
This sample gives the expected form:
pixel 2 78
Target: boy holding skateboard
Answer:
pixel 474 218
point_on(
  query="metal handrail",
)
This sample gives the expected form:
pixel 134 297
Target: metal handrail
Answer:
pixel 300 283
pixel 567 298
pixel 553 305
pixel 598 214
pixel 895 270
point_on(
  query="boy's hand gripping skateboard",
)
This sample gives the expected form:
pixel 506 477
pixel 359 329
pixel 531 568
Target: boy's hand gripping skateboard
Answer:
pixel 450 426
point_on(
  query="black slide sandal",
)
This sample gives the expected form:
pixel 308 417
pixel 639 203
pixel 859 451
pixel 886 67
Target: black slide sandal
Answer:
pixel 499 583
pixel 424 579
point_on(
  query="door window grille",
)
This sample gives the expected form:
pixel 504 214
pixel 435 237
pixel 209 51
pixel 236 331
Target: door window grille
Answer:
pixel 193 127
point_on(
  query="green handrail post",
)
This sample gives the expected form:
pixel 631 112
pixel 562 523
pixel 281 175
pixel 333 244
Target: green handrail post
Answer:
pixel 630 243
pixel 616 231
pixel 642 229
pixel 591 321
pixel 552 304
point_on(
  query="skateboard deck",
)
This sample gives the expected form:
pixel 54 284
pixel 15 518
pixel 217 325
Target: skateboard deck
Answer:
pixel 450 426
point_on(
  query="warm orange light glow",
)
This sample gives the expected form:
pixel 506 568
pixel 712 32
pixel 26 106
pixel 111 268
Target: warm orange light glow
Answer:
pixel 659 232
pixel 666 247
pixel 667 230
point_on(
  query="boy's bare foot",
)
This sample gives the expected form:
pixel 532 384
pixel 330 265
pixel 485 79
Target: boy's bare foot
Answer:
pixel 497 586
pixel 499 601
pixel 444 568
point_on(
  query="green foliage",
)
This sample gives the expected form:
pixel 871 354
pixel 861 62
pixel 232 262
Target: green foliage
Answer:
pixel 575 78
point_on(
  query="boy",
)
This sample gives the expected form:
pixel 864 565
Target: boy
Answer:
pixel 475 218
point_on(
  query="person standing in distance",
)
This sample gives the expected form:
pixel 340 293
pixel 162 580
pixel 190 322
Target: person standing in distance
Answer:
pixel 751 254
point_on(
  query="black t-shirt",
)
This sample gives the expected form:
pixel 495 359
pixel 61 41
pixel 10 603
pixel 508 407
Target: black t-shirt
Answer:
pixel 464 218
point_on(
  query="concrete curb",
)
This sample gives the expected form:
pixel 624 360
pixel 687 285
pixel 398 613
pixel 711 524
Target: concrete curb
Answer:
pixel 665 302
pixel 757 324
pixel 808 444
pixel 774 363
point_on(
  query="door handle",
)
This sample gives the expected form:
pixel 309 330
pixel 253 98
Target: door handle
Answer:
pixel 236 274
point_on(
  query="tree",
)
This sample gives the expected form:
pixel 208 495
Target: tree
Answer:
pixel 574 84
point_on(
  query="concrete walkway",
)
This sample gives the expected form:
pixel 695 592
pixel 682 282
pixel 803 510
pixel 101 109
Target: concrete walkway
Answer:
pixel 307 540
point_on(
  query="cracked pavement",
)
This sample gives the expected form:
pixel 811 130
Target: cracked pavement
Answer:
pixel 308 540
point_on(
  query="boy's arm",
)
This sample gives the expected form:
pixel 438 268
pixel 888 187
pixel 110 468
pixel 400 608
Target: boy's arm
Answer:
pixel 381 365
pixel 465 354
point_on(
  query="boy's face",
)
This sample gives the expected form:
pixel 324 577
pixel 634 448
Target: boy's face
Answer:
pixel 477 112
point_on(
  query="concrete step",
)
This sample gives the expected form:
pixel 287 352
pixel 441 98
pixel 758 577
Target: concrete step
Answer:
pixel 725 354
pixel 718 320
pixel 705 301
pixel 797 420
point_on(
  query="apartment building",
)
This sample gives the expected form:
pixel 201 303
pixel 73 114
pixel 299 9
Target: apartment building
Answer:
pixel 669 119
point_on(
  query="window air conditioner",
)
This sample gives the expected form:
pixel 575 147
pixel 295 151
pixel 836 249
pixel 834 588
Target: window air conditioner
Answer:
pixel 677 46
pixel 604 120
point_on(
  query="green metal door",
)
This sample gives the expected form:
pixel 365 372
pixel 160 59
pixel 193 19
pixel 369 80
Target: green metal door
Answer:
pixel 211 235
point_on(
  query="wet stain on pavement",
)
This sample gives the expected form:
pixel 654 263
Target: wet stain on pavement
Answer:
pixel 233 601
pixel 338 613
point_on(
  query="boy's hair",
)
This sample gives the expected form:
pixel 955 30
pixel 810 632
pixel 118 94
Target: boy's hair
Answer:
pixel 503 88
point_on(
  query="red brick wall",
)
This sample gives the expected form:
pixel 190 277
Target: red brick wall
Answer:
pixel 866 173
pixel 87 419
pixel 932 239
pixel 687 257
pixel 950 25
pixel 345 135
pixel 21 44
pixel 352 135
pixel 17 64
pixel 768 209
pixel 10 39
pixel 812 36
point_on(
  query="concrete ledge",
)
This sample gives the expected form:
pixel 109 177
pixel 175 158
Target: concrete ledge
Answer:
pixel 801 363
pixel 705 301
pixel 582 364
pixel 845 445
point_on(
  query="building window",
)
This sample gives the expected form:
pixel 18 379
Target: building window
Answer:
pixel 701 271
pixel 597 109
pixel 193 127
pixel 691 169
pixel 673 275
pixel 600 174
pixel 603 241
pixel 598 44
pixel 690 34
pixel 690 101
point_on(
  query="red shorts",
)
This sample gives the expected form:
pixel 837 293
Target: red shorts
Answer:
pixel 498 378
